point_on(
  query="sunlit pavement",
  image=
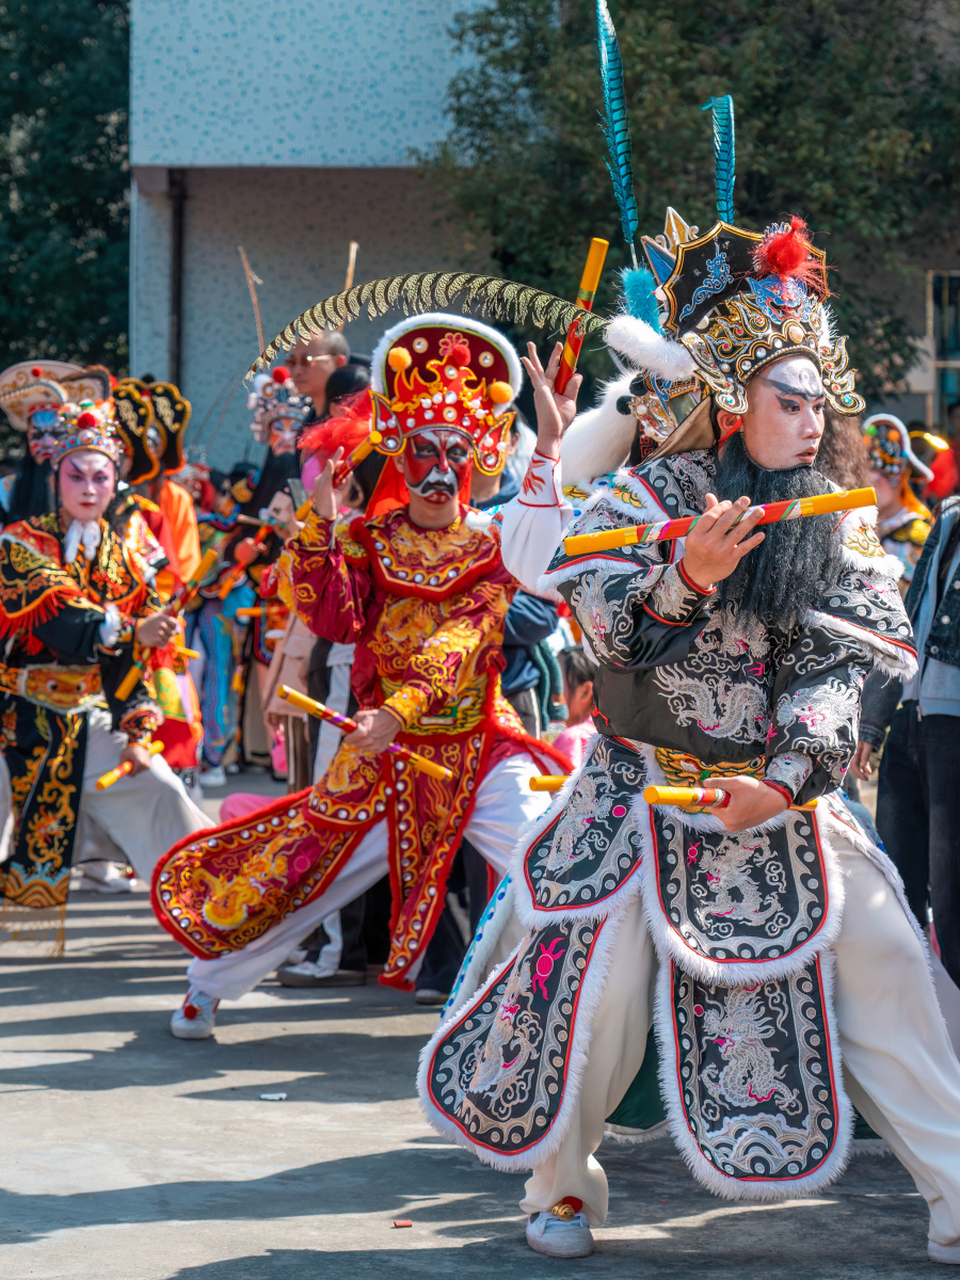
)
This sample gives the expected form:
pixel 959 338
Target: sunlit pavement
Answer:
pixel 127 1154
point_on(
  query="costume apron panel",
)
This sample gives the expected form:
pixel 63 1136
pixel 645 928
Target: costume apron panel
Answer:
pixel 498 1076
pixel 751 1079
pixel 593 844
pixel 739 907
pixel 45 753
pixel 219 890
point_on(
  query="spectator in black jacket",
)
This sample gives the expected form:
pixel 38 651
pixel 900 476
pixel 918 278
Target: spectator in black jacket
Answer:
pixel 918 800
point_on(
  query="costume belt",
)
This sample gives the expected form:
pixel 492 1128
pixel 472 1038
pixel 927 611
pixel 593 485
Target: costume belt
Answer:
pixel 60 688
pixel 684 770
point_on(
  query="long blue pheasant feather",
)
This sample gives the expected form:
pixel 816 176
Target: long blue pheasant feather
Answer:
pixel 615 124
pixel 724 154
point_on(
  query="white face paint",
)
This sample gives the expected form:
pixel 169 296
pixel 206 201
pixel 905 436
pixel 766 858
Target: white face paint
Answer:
pixel 784 422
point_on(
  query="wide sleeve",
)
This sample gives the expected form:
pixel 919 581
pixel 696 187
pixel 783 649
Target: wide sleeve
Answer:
pixel 330 593
pixel 817 693
pixel 466 645
pixel 816 713
pixel 533 522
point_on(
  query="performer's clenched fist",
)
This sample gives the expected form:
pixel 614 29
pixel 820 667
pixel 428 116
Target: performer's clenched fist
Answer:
pixel 715 546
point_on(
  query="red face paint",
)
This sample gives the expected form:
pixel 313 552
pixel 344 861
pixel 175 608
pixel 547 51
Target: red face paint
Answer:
pixel 283 435
pixel 436 464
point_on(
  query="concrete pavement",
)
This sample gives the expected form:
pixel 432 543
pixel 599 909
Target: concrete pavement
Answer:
pixel 128 1155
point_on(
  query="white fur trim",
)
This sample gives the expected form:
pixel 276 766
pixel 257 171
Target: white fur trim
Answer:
pixel 594 981
pixel 476 963
pixel 649 350
pixel 700 1167
pixel 459 324
pixel 529 915
pixel 598 441
pixel 892 658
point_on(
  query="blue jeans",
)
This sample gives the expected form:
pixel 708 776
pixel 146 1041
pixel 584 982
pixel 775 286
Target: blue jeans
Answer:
pixel 918 817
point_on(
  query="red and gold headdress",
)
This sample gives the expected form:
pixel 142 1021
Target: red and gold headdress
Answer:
pixel 442 371
pixel 89 425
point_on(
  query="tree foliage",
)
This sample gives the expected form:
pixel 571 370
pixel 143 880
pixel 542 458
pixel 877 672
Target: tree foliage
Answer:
pixel 64 203
pixel 847 113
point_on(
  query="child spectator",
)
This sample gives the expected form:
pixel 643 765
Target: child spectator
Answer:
pixel 578 676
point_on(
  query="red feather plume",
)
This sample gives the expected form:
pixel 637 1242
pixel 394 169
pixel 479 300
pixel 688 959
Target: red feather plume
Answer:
pixel 350 428
pixel 785 252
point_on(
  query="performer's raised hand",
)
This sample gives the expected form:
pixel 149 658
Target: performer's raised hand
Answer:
pixel 156 630
pixel 327 494
pixel 375 730
pixel 751 802
pixel 715 546
pixel 554 412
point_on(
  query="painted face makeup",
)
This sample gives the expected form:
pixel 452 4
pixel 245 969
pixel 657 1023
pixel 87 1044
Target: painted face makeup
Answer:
pixel 87 480
pixel 283 435
pixel 43 431
pixel 436 463
pixel 784 423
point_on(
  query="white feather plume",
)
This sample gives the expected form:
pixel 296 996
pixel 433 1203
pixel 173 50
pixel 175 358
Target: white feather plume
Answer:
pixel 647 349
pixel 598 440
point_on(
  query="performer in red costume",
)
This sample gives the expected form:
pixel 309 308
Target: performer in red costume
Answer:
pixel 423 594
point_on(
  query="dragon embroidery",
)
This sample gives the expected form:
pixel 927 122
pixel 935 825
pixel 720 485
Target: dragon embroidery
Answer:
pixel 739 1028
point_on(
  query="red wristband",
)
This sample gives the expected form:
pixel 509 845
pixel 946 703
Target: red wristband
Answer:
pixel 775 786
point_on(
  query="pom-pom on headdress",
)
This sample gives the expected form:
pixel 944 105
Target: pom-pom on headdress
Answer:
pixel 88 425
pixel 441 371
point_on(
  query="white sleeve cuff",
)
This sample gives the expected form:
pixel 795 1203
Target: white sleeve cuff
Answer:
pixel 110 626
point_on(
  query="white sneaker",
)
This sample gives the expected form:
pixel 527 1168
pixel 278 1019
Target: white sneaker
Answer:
pixel 212 778
pixel 949 1253
pixel 196 1017
pixel 100 876
pixel 560 1237
pixel 308 974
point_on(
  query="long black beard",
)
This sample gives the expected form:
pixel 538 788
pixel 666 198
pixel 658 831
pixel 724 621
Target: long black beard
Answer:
pixel 797 561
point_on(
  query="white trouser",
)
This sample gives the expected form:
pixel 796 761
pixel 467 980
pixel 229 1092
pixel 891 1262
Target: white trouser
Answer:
pixel 899 1067
pixel 138 818
pixel 504 803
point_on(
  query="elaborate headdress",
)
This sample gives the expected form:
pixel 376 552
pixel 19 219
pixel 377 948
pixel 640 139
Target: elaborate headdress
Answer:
pixel 88 425
pixel 731 301
pixel 889 448
pixel 134 419
pixel 711 311
pixel 438 370
pixel 154 417
pixel 171 413
pixel 274 398
pixel 33 386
